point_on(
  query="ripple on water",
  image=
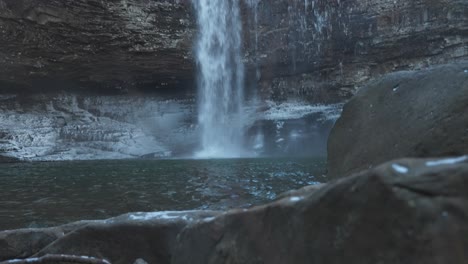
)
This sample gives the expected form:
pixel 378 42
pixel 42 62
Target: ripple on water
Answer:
pixel 44 194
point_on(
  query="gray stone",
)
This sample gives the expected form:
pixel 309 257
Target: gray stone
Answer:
pixel 381 215
pixel 405 114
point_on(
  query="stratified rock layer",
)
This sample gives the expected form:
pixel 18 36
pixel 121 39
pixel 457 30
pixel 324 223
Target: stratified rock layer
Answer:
pixel 404 114
pixel 318 50
pixel 405 211
pixel 103 44
pixel 326 50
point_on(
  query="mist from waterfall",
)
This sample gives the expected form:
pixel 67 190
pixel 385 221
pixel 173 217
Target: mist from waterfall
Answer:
pixel 220 78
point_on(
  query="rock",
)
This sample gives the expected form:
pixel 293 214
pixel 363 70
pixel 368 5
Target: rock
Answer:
pixel 325 50
pixel 132 238
pixel 109 45
pixel 378 216
pixel 4 159
pixel 405 114
pixel 405 211
pixel 317 50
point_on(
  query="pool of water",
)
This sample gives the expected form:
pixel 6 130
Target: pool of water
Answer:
pixel 52 193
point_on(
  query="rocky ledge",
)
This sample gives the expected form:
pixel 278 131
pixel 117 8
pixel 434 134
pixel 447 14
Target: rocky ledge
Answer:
pixel 404 211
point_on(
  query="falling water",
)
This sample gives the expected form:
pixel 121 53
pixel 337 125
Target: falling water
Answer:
pixel 220 78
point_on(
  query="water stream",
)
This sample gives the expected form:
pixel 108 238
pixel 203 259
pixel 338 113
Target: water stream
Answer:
pixel 220 79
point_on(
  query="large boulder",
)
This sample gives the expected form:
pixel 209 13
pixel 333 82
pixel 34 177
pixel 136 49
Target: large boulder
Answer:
pixel 404 114
pixel 149 237
pixel 405 211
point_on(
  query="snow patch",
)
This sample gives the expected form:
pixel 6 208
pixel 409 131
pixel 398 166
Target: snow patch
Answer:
pixel 167 215
pixel 295 199
pixel 446 161
pixel 399 168
pixel 297 110
pixel 208 219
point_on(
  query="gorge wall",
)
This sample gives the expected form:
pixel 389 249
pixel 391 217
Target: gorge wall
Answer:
pixel 310 48
pixel 137 54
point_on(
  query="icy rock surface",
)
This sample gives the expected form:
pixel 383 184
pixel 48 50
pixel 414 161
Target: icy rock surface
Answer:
pixel 69 127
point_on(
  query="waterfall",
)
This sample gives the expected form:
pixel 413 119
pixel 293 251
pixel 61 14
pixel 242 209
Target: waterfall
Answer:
pixel 220 78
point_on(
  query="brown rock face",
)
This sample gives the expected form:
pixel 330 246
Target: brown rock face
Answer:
pixel 314 49
pixel 325 50
pixel 106 44
pixel 404 114
pixel 405 211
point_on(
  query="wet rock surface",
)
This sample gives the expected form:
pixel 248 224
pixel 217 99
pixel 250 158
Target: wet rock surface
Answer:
pixel 326 50
pixel 74 126
pixel 405 114
pixel 404 211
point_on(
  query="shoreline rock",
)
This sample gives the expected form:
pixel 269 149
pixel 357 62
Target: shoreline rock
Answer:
pixel 404 211
pixel 404 114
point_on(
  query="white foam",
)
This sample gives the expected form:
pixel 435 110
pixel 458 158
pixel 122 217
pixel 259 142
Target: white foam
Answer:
pixel 446 161
pixel 399 168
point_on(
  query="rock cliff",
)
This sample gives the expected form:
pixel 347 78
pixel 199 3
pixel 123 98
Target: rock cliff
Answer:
pixel 314 49
pixel 66 63
pixel 95 44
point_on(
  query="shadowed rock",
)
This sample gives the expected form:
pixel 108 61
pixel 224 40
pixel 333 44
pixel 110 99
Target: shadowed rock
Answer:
pixel 405 114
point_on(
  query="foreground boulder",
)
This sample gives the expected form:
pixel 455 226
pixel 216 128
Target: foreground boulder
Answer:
pixel 406 211
pixel 405 114
pixel 130 238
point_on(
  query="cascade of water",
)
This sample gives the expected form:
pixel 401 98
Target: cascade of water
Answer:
pixel 220 78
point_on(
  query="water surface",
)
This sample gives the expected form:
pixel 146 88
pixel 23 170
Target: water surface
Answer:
pixel 51 193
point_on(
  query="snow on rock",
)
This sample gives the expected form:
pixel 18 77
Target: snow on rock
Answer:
pixel 295 199
pixel 297 110
pixel 448 161
pixel 69 127
pixel 399 168
pixel 167 215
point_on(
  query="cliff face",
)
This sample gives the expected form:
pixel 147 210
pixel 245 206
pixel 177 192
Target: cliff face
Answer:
pixel 324 50
pixel 93 43
pixel 313 49
pixel 74 75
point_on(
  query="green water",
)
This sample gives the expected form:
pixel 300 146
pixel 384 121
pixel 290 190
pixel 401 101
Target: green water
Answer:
pixel 46 194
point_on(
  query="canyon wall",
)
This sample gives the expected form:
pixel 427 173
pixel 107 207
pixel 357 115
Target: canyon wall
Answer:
pixel 314 49
pixel 66 65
